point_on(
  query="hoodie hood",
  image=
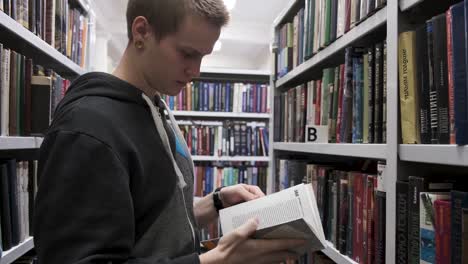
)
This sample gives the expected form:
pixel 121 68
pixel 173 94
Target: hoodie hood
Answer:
pixel 101 84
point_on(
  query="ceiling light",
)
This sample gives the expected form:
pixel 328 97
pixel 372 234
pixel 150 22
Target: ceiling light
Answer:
pixel 217 46
pixel 230 4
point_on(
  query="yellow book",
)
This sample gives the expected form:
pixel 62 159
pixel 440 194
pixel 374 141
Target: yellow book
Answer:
pixel 188 96
pixel 409 103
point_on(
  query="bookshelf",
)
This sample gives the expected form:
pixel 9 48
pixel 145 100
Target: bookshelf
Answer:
pixel 221 115
pixel 20 39
pixel 377 25
pixel 17 251
pixel 233 159
pixel 372 23
pixel 25 42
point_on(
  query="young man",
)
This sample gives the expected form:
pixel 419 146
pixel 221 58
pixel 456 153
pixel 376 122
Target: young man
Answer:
pixel 116 179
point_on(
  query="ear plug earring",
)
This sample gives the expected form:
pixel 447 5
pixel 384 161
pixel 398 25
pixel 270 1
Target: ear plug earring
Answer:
pixel 139 44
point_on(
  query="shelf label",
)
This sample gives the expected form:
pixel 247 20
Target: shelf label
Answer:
pixel 316 134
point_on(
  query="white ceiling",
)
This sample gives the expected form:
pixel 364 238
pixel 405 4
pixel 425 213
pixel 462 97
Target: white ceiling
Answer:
pixel 245 41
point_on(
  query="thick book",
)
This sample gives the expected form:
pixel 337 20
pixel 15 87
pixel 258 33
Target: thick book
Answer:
pixel 288 214
pixel 422 77
pixel 40 104
pixel 459 73
pixel 440 76
pixel 409 101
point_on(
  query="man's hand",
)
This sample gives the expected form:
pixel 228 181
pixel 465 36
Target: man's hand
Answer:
pixel 237 247
pixel 232 195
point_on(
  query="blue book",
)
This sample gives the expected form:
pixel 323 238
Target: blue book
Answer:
pixel 206 96
pixel 227 103
pixel 357 99
pixel 459 71
pixel 259 89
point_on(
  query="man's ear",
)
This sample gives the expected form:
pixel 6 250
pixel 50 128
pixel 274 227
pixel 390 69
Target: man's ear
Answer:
pixel 141 29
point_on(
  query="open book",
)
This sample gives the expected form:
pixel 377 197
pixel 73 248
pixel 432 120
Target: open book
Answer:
pixel 291 213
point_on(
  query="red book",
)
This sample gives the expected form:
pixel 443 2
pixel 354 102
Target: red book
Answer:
pixel 264 98
pixel 442 230
pixel 347 15
pixel 340 103
pixel 450 77
pixel 371 185
pixel 358 183
pixel 318 102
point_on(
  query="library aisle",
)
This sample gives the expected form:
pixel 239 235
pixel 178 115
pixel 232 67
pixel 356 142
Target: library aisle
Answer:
pixel 362 101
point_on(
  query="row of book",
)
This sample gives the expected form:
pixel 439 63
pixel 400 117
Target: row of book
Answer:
pixel 317 25
pixel 18 185
pixel 221 97
pixel 29 95
pixel 432 76
pixel 350 99
pixel 228 138
pixel 58 22
pixel 432 220
pixel 351 205
pixel 211 176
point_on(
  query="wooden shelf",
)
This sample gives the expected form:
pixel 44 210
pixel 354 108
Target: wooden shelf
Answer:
pixel 221 114
pixel 12 143
pixel 17 251
pixel 336 256
pixel 20 39
pixel 229 158
pixel 438 154
pixel 370 151
pixel 367 26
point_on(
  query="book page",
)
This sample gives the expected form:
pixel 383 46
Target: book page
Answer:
pixel 270 210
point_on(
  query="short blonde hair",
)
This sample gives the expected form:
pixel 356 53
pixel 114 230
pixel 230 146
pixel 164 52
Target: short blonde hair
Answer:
pixel 165 16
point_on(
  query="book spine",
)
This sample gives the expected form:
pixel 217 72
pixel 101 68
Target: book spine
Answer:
pixel 339 116
pixel 423 84
pixel 358 217
pixel 458 202
pixel 384 93
pixel 402 222
pixel 451 86
pixel 349 235
pixel 371 97
pixel 380 227
pixel 440 76
pixel 408 96
pixel 459 72
pixel 416 184
pixel 433 97
pixel 346 118
pixel 378 94
pixel 443 231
